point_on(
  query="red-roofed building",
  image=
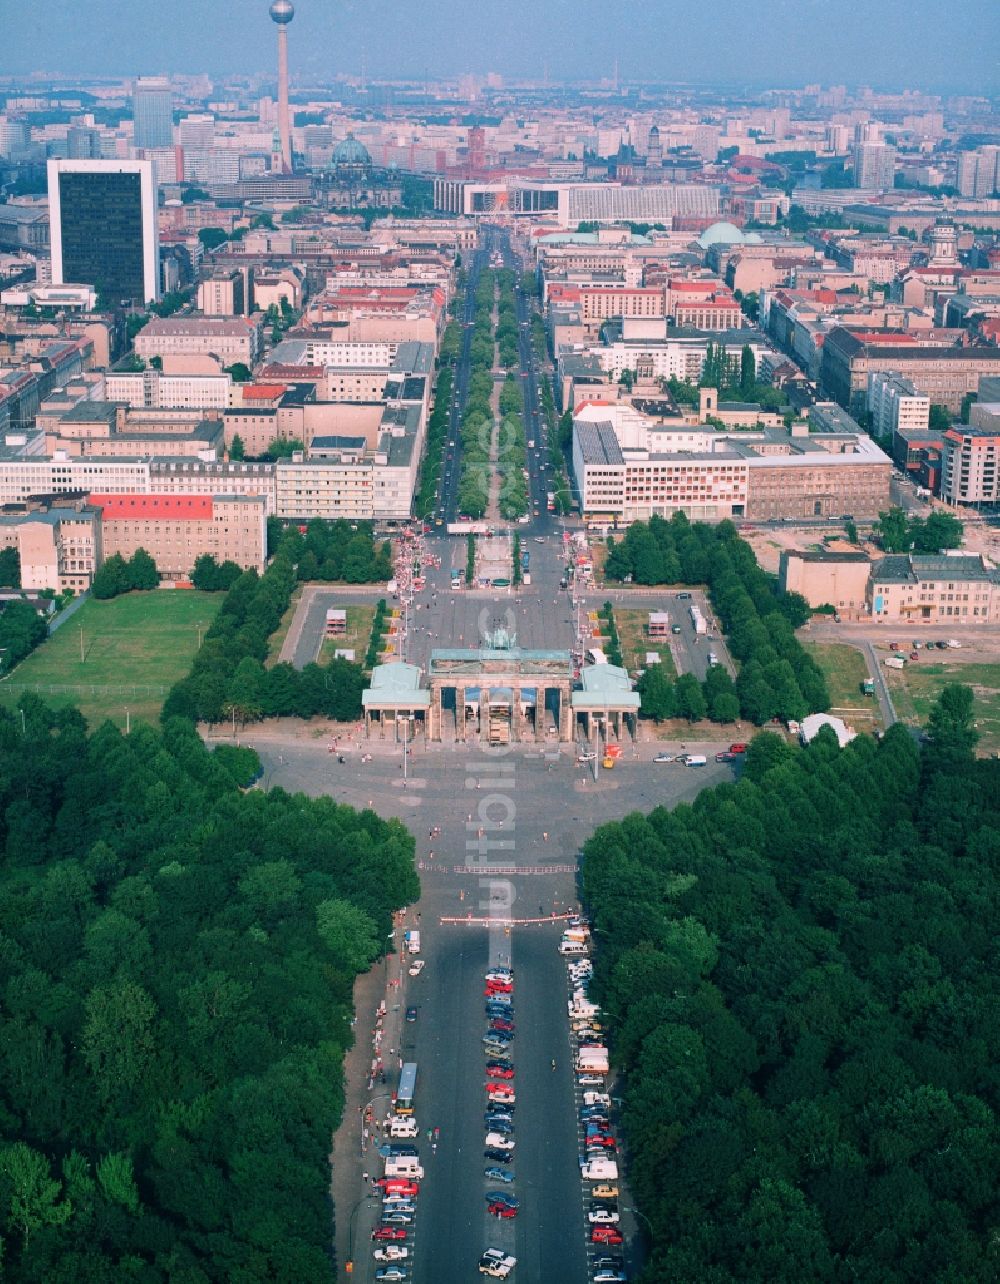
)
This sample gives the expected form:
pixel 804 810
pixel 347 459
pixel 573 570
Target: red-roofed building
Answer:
pixel 175 530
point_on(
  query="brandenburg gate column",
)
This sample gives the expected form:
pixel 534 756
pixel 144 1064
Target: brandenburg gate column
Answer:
pixel 459 713
pixel 565 713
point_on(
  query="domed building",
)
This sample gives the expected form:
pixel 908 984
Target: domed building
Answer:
pixel 351 159
pixel 721 234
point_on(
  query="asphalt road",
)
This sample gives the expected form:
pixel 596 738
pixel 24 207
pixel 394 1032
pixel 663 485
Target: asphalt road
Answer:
pixel 548 1237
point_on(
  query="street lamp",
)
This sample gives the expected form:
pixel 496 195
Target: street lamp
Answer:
pixel 638 1213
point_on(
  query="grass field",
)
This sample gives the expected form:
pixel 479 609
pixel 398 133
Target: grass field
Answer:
pixel 915 688
pixel 632 627
pixel 134 647
pixel 845 669
pixel 358 635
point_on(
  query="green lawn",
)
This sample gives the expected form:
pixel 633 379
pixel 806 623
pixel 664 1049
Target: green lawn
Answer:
pixel 632 636
pixel 915 688
pixel 358 635
pixel 277 639
pixel 845 669
pixel 134 647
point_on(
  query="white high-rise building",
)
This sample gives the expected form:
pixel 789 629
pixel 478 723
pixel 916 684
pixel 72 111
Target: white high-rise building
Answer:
pixel 874 165
pixel 894 404
pixel 153 112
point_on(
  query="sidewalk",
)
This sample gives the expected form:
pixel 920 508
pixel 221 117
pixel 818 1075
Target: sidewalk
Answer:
pixel 377 1035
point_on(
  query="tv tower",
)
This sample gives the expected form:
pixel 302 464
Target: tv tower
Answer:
pixel 282 12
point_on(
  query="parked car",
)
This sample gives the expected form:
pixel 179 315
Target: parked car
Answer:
pixel 496 1173
pixel 605 1192
pixel 497 1141
pixel 501 1210
pixel 496 1264
pixel 606 1235
pixel 603 1217
pixel 416 967
pixel 411 1014
pixel 391 1275
pixel 500 1070
pixel 502 1197
pixel 391 1253
pixel 725 756
pixel 664 757
pixel 388 1233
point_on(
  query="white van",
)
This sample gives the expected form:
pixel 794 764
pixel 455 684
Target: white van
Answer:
pixel 404 1166
pixel 696 760
pixel 403 1126
pixel 572 947
pixel 599 1170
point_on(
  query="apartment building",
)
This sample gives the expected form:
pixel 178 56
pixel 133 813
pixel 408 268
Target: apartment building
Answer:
pixel 906 588
pixel 177 529
pixel 895 405
pixel 214 477
pixel 970 465
pixel 58 546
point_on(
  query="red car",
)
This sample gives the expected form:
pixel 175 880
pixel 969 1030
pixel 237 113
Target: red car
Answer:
pixel 505 1210
pixel 606 1235
pixel 497 1089
pixel 602 1139
pixel 389 1232
pixel 398 1186
pixel 725 756
pixel 499 1072
pixel 499 987
pixel 499 1023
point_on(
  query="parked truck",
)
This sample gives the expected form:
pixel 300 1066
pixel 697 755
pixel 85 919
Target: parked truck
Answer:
pixel 698 621
pixel 868 687
pixel 412 939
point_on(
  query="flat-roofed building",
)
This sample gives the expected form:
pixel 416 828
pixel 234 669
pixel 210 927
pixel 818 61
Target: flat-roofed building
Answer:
pixel 58 545
pixel 895 404
pixel 834 578
pixel 175 530
pixel 149 389
pixel 970 465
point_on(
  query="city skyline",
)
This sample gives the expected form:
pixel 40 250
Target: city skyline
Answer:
pixel 787 44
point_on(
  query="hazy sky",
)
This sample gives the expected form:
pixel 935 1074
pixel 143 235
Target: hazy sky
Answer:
pixel 952 44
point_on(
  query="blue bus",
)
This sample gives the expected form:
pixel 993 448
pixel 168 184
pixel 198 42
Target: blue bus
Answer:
pixel 407 1088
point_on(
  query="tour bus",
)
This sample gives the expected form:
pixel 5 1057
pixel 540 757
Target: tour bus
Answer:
pixel 407 1089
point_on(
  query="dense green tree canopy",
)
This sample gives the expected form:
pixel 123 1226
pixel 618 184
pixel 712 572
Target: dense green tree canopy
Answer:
pixel 175 1002
pixel 800 977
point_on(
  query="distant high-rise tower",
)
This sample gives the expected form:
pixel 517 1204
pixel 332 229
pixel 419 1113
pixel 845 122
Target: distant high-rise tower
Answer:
pixel 654 149
pixel 282 12
pixel 153 112
pixel 103 228
pixel 477 148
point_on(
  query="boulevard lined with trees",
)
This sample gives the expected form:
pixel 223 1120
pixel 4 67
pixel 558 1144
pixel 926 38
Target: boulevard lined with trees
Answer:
pixel 800 976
